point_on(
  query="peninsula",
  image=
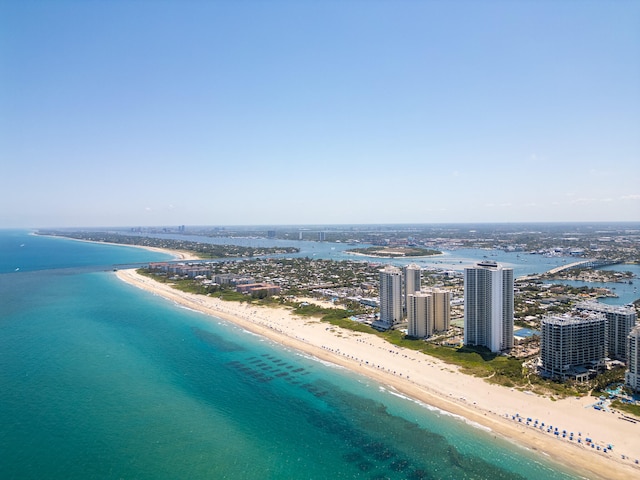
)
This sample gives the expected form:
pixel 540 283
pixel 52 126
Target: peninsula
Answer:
pixel 190 249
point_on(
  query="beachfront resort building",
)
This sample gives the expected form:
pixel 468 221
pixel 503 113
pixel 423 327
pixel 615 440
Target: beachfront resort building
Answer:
pixel 488 306
pixel 632 376
pixel 412 282
pixel 428 311
pixel 390 297
pixel 619 322
pixel 572 345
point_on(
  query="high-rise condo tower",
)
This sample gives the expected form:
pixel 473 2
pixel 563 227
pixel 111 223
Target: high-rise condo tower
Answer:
pixel 412 281
pixel 632 376
pixel 572 345
pixel 390 297
pixel 620 321
pixel 428 311
pixel 488 306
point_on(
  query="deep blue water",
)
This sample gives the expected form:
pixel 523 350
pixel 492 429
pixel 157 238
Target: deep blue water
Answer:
pixel 99 380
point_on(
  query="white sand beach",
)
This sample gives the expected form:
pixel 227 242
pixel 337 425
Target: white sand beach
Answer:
pixel 185 255
pixel 503 410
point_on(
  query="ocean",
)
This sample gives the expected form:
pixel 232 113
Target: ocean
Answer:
pixel 100 380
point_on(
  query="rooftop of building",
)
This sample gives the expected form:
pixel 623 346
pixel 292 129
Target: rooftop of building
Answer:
pixel 605 308
pixel 573 318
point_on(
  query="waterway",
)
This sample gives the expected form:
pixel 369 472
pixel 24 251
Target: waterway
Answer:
pixel 626 292
pixel 451 260
pixel 456 260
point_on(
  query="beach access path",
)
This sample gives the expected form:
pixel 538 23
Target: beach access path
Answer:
pixel 502 410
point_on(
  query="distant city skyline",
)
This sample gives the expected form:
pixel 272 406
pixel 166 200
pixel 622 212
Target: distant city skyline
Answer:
pixel 298 113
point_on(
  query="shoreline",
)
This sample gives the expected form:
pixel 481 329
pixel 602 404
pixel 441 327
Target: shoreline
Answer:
pixel 438 384
pixel 176 254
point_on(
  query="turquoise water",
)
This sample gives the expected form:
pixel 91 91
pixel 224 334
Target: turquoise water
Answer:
pixel 22 252
pixel 99 380
pixel 525 332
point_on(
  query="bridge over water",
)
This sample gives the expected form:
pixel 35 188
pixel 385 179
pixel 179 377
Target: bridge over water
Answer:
pixel 589 263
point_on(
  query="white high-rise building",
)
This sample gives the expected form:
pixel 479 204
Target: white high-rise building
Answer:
pixel 412 281
pixel 632 376
pixel 488 306
pixel 419 315
pixel 390 297
pixel 572 344
pixel 428 311
pixel 620 321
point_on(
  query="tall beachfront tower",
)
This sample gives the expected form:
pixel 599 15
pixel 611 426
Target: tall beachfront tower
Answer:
pixel 632 377
pixel 390 296
pixel 428 311
pixel 620 321
pixel 441 309
pixel 412 281
pixel 488 306
pixel 419 315
pixel 572 345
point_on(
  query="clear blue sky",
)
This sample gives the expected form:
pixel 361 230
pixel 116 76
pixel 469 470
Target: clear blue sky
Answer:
pixel 117 113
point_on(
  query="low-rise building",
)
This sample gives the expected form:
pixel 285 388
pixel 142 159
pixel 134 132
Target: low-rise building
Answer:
pixel 232 279
pixel 255 288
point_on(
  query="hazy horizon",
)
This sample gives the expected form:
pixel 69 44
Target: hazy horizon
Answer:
pixel 296 113
pixel 480 225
